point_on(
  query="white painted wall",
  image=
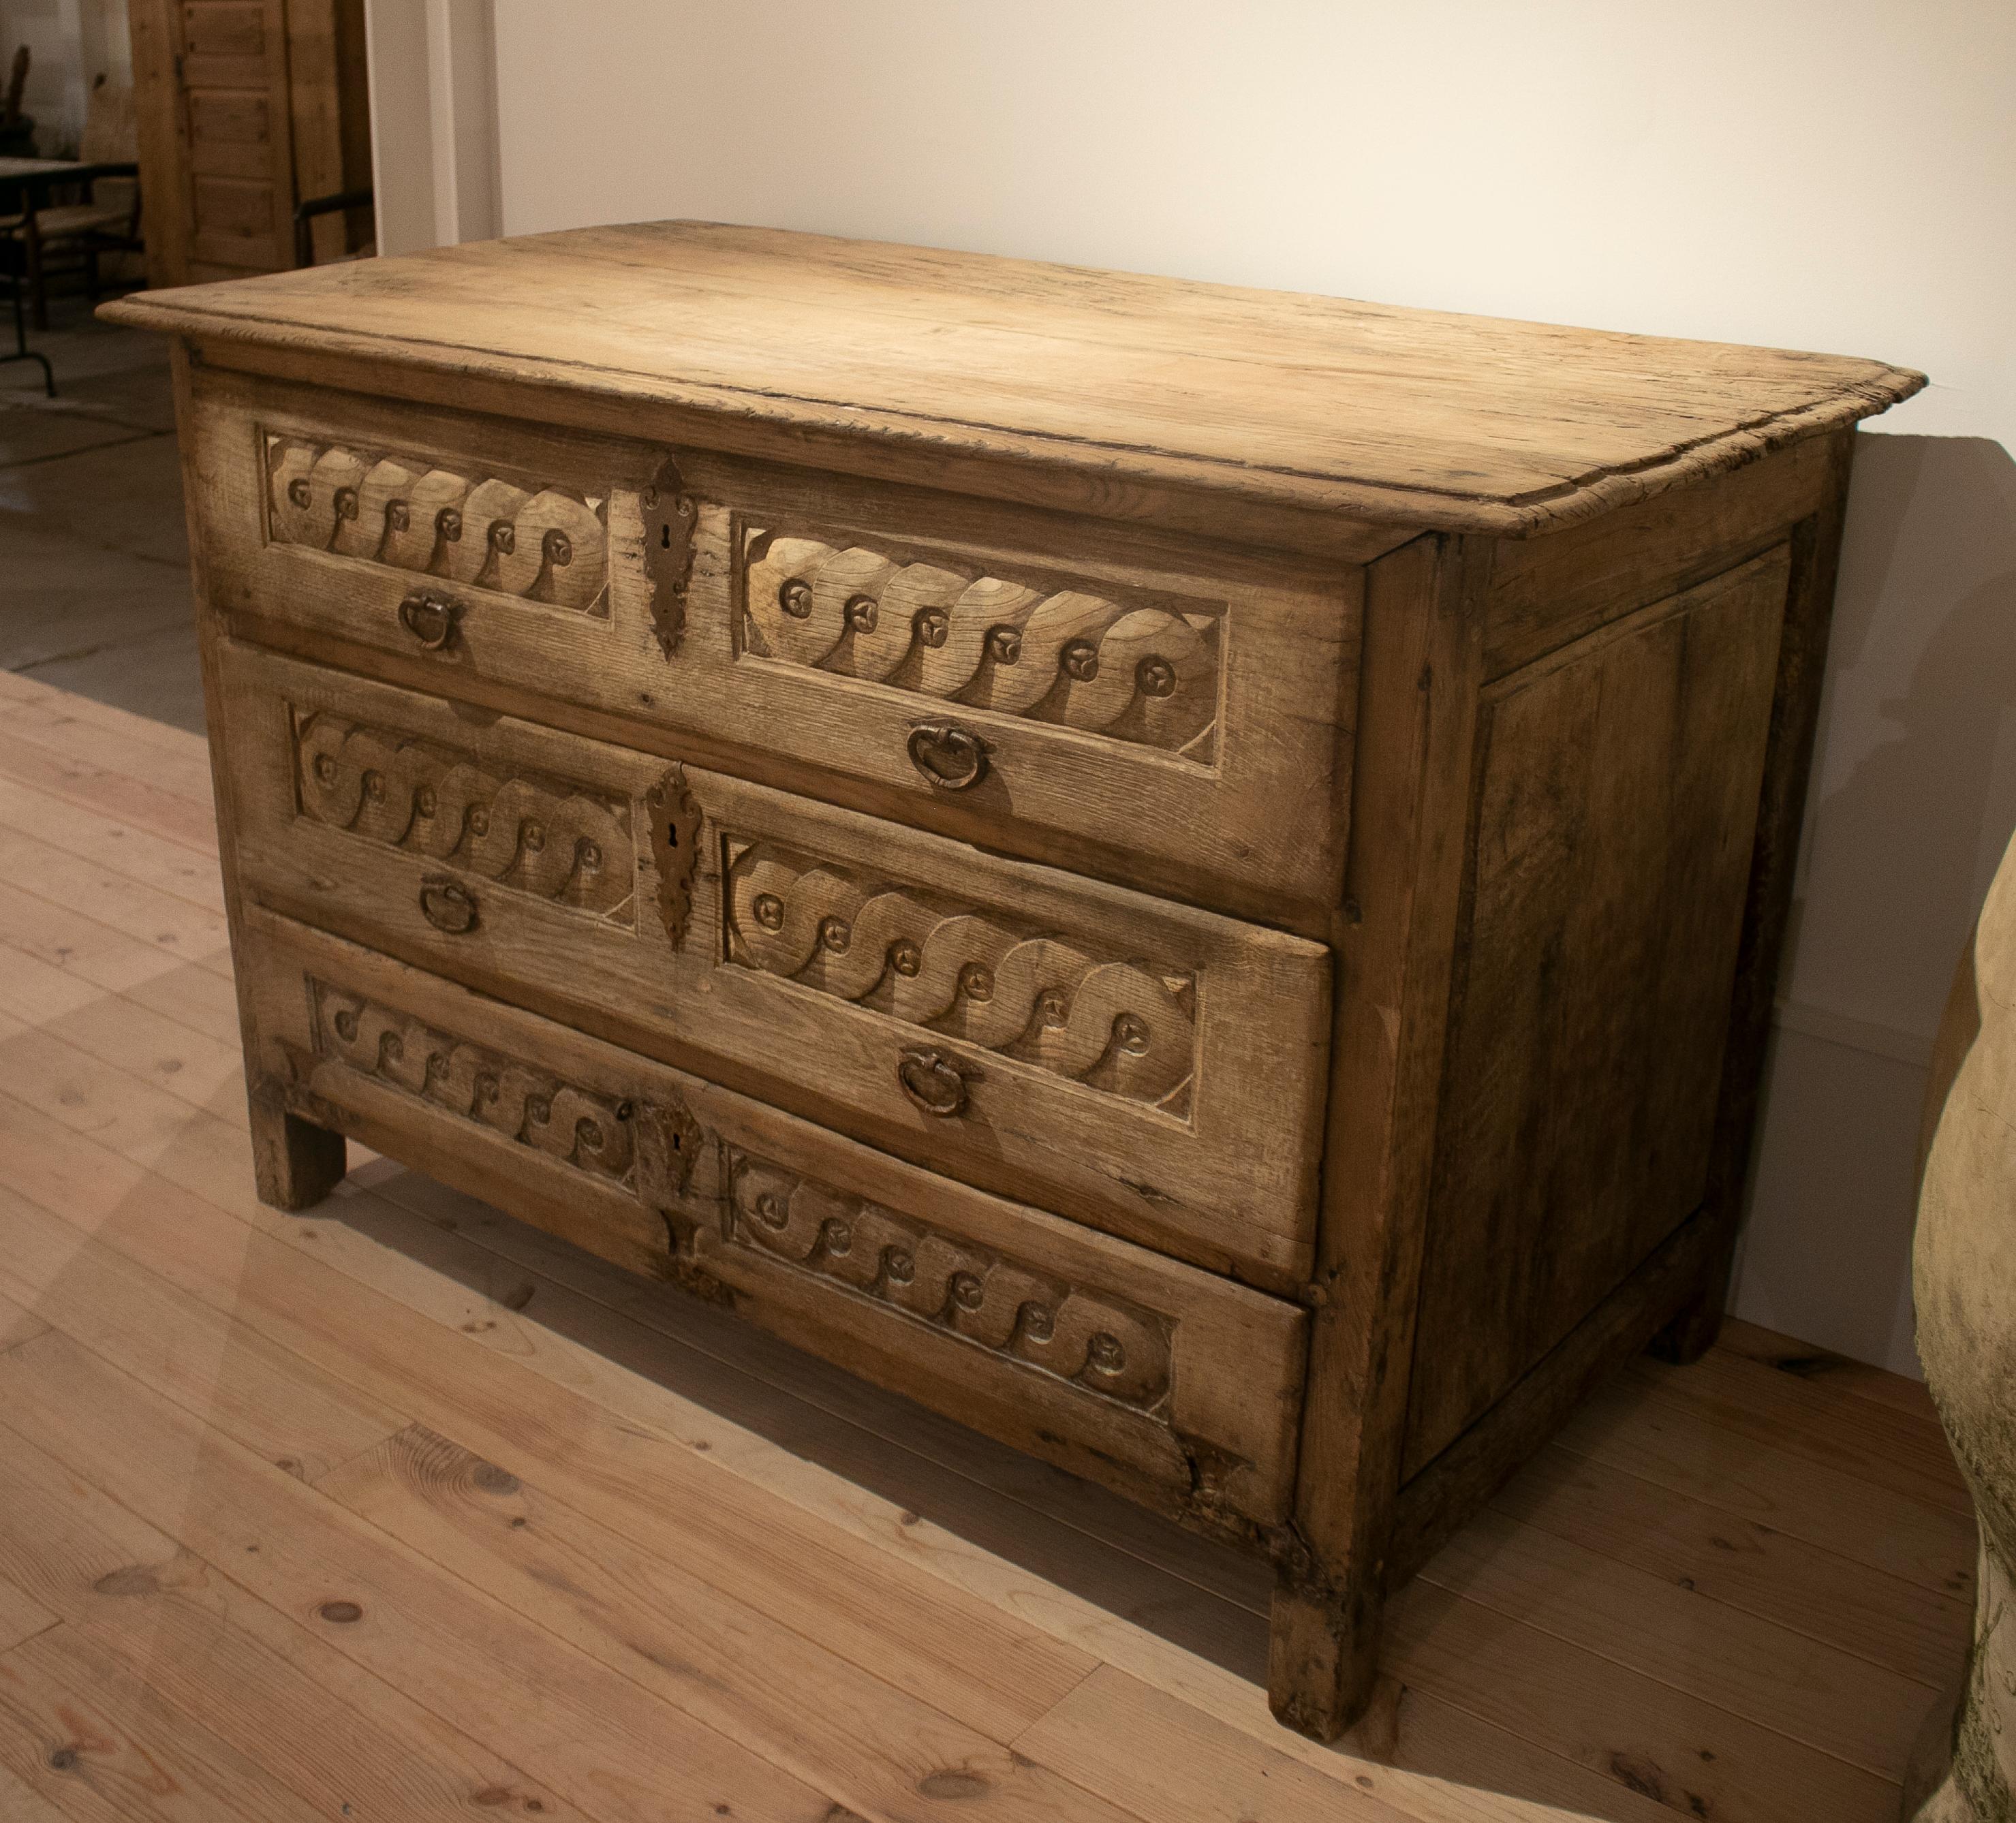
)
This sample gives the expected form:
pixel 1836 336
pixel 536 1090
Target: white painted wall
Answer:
pixel 1835 175
pixel 433 122
pixel 71 43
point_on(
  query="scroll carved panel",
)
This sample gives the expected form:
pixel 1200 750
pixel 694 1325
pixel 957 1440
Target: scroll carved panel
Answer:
pixel 1120 1025
pixel 1032 1318
pixel 542 544
pixel 1142 670
pixel 648 1149
pixel 557 841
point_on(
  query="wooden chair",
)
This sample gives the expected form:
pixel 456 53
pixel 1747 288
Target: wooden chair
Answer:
pixel 43 236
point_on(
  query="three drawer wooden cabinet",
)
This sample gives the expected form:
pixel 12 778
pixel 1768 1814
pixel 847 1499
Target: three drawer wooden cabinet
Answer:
pixel 1191 877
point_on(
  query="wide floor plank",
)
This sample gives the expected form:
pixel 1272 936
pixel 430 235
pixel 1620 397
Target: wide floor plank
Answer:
pixel 131 972
pixel 17 1322
pixel 267 1683
pixel 671 1498
pixel 193 933
pixel 596 1736
pixel 1707 1550
pixel 98 1742
pixel 180 872
pixel 138 802
pixel 1784 1355
pixel 641 1613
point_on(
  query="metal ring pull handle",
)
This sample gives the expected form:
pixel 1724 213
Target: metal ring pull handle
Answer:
pixel 948 755
pixel 932 1080
pixel 448 905
pixel 430 618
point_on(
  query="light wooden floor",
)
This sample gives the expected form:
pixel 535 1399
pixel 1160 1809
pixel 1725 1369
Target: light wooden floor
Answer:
pixel 402 1511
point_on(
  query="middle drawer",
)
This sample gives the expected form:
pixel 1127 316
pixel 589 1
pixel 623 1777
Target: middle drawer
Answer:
pixel 1148 1068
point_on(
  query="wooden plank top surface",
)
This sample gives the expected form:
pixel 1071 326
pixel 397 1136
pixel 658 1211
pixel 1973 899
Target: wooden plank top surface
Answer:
pixel 1400 416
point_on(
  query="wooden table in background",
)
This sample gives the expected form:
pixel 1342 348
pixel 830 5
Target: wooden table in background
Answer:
pixel 18 176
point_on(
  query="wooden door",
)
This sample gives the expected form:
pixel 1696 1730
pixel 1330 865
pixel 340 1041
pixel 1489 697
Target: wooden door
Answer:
pixel 246 107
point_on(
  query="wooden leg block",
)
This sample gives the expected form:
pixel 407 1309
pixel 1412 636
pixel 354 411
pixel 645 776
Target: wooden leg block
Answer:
pixel 1695 1327
pixel 295 1163
pixel 1323 1658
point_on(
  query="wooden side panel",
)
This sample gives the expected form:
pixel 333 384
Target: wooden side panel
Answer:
pixel 1178 1387
pixel 1617 800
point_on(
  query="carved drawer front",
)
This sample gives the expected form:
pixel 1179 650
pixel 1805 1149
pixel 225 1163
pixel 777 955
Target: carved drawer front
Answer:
pixel 1167 713
pixel 1146 1067
pixel 1166 1382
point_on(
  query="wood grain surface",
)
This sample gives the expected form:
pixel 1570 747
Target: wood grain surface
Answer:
pixel 1397 416
pixel 405 1507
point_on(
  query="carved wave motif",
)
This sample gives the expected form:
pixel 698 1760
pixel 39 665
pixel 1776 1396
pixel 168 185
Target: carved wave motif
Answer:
pixel 998 1304
pixel 1144 674
pixel 534 835
pixel 543 545
pixel 1116 1025
pixel 639 1146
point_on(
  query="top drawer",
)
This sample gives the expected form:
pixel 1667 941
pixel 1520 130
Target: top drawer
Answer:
pixel 1168 713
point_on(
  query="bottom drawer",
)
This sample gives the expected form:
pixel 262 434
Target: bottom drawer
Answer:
pixel 1180 1388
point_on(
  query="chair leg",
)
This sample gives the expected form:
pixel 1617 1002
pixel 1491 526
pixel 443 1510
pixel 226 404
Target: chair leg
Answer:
pixel 91 275
pixel 38 294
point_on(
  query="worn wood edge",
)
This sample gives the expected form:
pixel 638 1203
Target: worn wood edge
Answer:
pixel 1675 542
pixel 295 1166
pixel 1434 1505
pixel 716 407
pixel 1165 503
pixel 1419 670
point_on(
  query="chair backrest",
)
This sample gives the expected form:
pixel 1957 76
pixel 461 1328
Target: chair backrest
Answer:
pixel 111 125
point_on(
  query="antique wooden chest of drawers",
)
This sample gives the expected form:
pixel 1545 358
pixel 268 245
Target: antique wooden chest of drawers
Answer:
pixel 1191 877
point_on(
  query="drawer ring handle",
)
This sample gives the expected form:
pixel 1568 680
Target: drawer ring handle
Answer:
pixel 430 618
pixel 948 755
pixel 448 905
pixel 932 1080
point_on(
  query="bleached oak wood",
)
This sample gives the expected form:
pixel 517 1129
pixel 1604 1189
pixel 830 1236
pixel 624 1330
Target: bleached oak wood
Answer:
pixel 1198 1137
pixel 1355 408
pixel 135 802
pixel 244 1386
pixel 1062 730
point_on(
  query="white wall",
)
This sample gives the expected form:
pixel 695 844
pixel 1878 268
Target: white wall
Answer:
pixel 71 43
pixel 1835 175
pixel 433 122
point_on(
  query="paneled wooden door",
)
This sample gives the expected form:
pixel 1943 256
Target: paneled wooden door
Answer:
pixel 245 108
